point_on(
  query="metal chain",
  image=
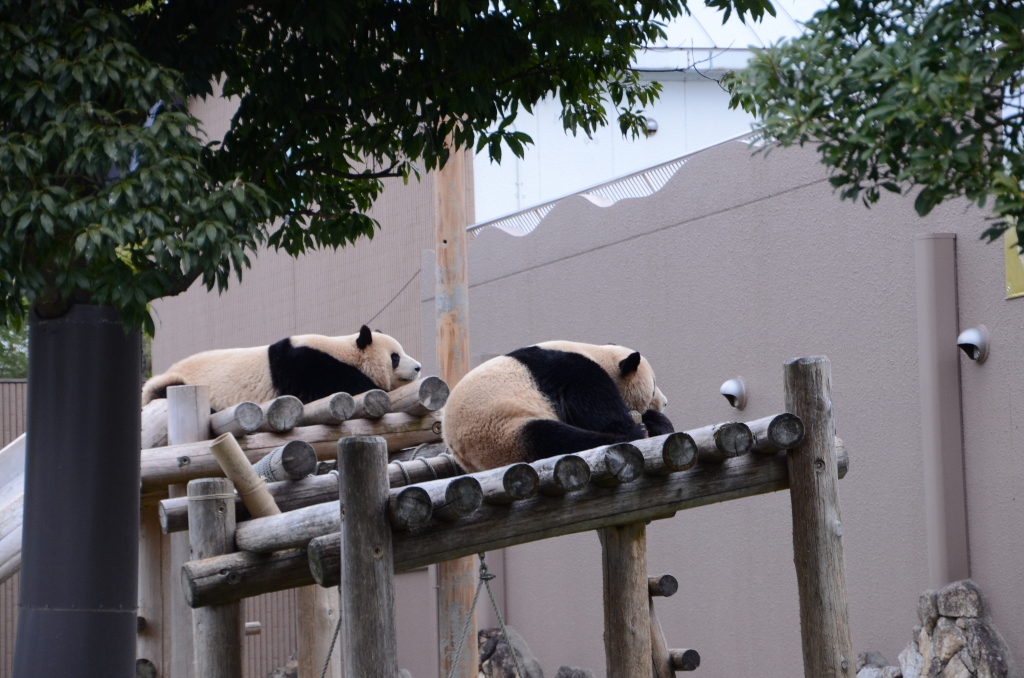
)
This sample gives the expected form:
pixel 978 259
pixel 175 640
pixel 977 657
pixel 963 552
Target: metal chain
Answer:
pixel 465 627
pixel 486 578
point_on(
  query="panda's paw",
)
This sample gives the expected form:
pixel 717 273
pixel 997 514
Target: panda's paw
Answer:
pixel 657 424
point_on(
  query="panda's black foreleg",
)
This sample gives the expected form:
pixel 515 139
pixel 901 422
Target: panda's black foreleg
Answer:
pixel 657 423
pixel 543 438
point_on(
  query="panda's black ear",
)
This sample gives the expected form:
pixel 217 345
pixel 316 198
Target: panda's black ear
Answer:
pixel 365 338
pixel 629 364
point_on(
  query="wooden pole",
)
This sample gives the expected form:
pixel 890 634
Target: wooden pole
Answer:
pixel 368 577
pixel 188 421
pixel 817 527
pixel 456 580
pixel 218 629
pixel 420 397
pixel 150 641
pixel 627 616
pixel 294 460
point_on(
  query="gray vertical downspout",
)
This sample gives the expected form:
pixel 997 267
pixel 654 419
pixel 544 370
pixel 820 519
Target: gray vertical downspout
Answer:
pixel 941 420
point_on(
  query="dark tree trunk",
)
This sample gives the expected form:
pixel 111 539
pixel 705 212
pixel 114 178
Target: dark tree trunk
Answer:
pixel 79 563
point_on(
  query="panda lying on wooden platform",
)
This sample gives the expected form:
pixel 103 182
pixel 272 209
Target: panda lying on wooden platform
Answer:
pixel 307 366
pixel 553 398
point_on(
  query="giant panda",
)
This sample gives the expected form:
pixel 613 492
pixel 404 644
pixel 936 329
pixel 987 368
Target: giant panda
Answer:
pixel 307 366
pixel 551 398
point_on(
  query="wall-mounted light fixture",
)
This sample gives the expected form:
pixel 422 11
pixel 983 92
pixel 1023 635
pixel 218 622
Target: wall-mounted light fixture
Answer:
pixel 735 391
pixel 974 342
pixel 652 126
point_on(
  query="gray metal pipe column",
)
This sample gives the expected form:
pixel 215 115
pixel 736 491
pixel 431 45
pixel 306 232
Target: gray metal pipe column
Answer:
pixel 941 421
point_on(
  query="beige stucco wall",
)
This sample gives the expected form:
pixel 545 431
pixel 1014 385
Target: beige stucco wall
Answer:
pixel 738 264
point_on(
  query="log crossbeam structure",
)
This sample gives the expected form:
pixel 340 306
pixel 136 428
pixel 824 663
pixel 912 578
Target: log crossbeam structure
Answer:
pixel 652 496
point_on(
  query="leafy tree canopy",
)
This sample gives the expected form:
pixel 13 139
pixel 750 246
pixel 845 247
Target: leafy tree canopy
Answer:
pixel 334 96
pixel 902 94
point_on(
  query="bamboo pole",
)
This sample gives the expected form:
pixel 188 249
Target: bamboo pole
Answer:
pixel 817 527
pixel 368 578
pixel 218 629
pixel 456 580
pixel 627 616
pixel 251 488
pixel 188 421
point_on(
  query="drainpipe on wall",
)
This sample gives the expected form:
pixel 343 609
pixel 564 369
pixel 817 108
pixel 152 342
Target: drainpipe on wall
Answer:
pixel 941 420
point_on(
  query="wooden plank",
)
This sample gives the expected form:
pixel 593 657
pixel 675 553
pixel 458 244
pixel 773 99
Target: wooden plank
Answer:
pixel 188 421
pixel 162 466
pixel 217 629
pixel 627 616
pixel 814 471
pixel 370 636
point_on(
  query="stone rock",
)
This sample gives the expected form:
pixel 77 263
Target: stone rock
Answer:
pixel 573 672
pixel 965 657
pixel 955 669
pixel 947 640
pixel 928 609
pixel 961 599
pixel 892 672
pixel 911 662
pixel 870 672
pixel 924 647
pixel 872 658
pixel 496 656
pixel 289 670
pixel 988 651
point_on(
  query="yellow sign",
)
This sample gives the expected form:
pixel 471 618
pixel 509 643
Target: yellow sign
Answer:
pixel 1014 265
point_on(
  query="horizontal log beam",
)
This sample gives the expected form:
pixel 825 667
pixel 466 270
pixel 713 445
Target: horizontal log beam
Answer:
pixel 162 466
pixel 543 517
pixel 328 411
pixel 492 526
pixel 420 397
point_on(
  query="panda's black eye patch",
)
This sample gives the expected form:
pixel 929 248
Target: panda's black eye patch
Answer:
pixel 395 359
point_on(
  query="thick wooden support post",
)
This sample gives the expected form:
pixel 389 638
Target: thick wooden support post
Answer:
pixel 154 640
pixel 627 616
pixel 188 421
pixel 154 423
pixel 456 580
pixel 218 628
pixel 368 572
pixel 817 526
pixel 317 611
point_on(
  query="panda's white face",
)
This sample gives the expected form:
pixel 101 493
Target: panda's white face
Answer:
pixel 659 402
pixel 403 368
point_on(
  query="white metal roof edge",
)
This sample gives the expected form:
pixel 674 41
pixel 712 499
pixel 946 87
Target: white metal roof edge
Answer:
pixel 634 185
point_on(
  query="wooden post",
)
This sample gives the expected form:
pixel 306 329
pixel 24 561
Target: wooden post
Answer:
pixel 218 629
pixel 817 527
pixel 150 644
pixel 367 564
pixel 456 580
pixel 188 421
pixel 627 615
pixel 317 611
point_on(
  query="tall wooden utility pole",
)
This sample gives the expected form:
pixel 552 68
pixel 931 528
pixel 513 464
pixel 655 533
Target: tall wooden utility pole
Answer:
pixel 456 579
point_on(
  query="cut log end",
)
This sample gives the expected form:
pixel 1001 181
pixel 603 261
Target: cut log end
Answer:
pixel 684 660
pixel 283 414
pixel 462 497
pixel 623 463
pixel 734 439
pixel 786 431
pixel 663 586
pixel 341 406
pixel 433 393
pixel 567 474
pixel 409 507
pixel 521 481
pixel 679 452
pixel 373 404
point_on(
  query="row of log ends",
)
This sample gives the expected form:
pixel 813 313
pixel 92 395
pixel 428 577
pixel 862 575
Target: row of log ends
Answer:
pixel 607 466
pixel 284 413
pixel 446 518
